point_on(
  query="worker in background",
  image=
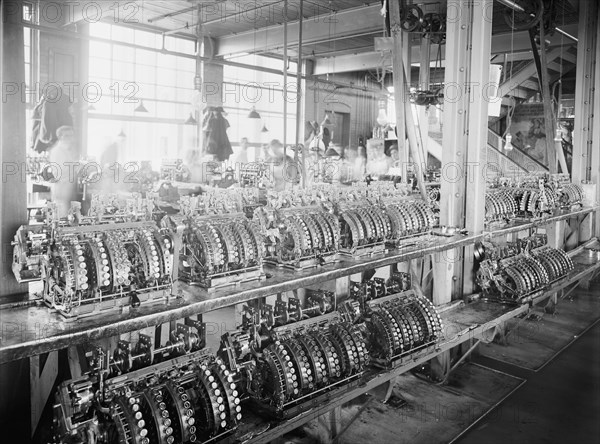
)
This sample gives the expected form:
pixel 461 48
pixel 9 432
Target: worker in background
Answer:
pixel 112 174
pixel 63 170
pixel 360 162
pixel 394 157
pixel 239 157
pixel 194 165
pixel 284 170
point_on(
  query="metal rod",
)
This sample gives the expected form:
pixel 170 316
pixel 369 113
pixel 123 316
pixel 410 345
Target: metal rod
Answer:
pixel 170 14
pixel 245 11
pixel 299 95
pixel 285 76
pixel 321 6
pixel 221 19
pixel 566 34
pixel 511 5
pixel 176 30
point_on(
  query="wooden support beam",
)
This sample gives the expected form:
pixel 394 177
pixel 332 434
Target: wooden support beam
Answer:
pixel 524 74
pixel 568 57
pixel 554 66
pixel 335 423
pixel 41 382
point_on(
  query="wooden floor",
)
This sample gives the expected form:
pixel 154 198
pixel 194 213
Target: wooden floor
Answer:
pixel 542 386
pixel 558 404
pixel 533 341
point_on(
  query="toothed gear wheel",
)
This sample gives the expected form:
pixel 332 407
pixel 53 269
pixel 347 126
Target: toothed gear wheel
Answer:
pixel 332 359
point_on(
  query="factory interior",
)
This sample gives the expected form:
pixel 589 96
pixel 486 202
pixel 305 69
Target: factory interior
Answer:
pixel 300 221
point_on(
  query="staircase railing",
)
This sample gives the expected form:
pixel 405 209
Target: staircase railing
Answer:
pixel 519 157
pixel 498 164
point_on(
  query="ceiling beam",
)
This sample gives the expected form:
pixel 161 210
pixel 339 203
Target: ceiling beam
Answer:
pixel 172 14
pixel 501 44
pixel 524 74
pixel 352 62
pixel 520 42
pixel 569 57
pixel 318 28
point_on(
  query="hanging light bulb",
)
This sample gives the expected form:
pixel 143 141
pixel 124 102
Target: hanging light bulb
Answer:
pixel 196 100
pixel 253 114
pixel 191 120
pixel 264 129
pixel 382 119
pixel 141 108
pixel 558 134
pixel 331 152
pixel 508 145
pixel 326 120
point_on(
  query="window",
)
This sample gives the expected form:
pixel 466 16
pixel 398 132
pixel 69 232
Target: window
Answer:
pixel 122 77
pixel 28 12
pixel 29 45
pixel 244 88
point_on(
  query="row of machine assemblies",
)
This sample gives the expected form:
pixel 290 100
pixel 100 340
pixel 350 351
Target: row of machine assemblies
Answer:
pixel 279 362
pixel 106 263
pixel 531 197
pixel 93 264
pixel 515 270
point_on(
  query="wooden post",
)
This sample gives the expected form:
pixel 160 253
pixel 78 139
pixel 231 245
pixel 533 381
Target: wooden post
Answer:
pixel 335 423
pixel 41 379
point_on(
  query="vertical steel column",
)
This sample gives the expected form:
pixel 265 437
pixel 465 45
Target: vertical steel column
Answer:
pixel 424 77
pixel 584 93
pixel 285 75
pixel 299 123
pixel 595 149
pixel 477 130
pixel 447 266
pixel 468 43
pixel 403 148
pixel 13 190
pixel 398 38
